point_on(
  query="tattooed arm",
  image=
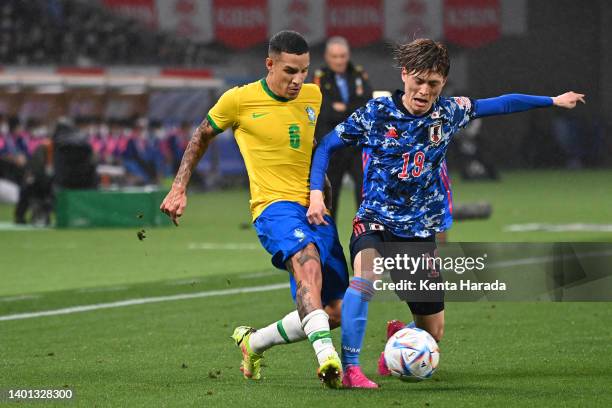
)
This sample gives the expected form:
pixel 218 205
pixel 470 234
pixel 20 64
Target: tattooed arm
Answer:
pixel 175 202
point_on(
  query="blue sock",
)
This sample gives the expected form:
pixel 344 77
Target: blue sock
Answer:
pixel 354 319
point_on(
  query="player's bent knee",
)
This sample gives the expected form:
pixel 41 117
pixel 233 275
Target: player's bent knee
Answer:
pixel 364 264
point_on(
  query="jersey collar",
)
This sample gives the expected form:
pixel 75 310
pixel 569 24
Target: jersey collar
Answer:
pixel 399 104
pixel 274 96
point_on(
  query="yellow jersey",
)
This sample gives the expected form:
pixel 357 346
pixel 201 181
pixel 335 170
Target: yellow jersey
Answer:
pixel 275 136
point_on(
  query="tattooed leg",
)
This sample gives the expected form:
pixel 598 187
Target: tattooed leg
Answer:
pixel 305 266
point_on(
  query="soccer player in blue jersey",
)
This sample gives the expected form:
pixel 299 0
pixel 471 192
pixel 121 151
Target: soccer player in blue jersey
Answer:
pixel 406 189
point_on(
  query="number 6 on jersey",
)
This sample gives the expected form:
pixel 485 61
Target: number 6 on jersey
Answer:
pixel 294 136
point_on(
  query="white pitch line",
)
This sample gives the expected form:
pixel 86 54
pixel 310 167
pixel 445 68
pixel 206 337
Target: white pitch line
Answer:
pixel 9 226
pixel 251 289
pixel 20 297
pixel 143 301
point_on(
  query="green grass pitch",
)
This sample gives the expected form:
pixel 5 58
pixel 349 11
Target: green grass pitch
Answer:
pixel 178 353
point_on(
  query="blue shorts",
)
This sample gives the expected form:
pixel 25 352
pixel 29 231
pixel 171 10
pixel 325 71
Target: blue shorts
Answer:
pixel 283 230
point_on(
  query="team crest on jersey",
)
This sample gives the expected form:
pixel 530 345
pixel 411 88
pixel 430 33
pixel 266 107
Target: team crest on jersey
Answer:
pixel 311 115
pixel 435 133
pixel 299 234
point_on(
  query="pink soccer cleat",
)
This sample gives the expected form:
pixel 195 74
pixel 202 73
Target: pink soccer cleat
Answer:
pixel 355 378
pixel 393 326
pixel 382 366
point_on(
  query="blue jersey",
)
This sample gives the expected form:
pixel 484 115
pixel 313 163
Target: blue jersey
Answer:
pixel 406 186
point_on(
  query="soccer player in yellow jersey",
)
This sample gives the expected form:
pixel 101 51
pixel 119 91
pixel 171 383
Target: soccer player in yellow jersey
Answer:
pixel 273 121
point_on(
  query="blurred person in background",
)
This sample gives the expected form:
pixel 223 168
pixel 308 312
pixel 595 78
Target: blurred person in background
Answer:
pixel 158 149
pixel 140 158
pixel 12 160
pixel 474 164
pixel 35 193
pixel 345 87
pixel 176 143
pixel 115 143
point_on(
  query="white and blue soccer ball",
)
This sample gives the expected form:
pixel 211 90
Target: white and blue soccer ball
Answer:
pixel 412 354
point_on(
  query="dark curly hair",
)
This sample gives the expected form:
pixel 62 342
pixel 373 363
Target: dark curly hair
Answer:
pixel 423 55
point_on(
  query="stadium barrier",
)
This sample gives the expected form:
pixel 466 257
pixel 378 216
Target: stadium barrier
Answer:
pixel 128 207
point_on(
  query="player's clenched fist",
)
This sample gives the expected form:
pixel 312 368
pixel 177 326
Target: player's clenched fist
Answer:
pixel 568 100
pixel 174 204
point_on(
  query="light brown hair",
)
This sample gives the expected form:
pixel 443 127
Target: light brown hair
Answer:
pixel 422 55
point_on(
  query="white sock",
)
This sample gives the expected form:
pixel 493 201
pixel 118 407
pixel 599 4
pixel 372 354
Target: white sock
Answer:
pixel 287 330
pixel 316 327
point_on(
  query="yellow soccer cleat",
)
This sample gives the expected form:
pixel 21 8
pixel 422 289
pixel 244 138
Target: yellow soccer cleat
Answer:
pixel 330 372
pixel 251 361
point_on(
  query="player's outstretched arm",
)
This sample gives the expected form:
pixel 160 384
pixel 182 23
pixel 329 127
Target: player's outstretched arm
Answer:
pixel 320 161
pixel 176 200
pixel 513 103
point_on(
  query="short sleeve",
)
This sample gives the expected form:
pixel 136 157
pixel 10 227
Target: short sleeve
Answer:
pixel 225 112
pixel 462 110
pixel 354 129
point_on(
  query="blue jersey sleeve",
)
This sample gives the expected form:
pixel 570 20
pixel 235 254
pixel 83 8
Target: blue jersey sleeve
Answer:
pixel 511 103
pixel 320 161
pixel 461 110
pixel 354 129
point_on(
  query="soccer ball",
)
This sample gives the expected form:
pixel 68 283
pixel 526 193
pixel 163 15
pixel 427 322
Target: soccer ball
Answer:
pixel 412 354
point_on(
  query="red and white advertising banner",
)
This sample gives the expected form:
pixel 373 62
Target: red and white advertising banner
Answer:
pixel 304 16
pixel 245 23
pixel 472 23
pixel 359 21
pixel 406 20
pixel 142 10
pixel 241 23
pixel 187 18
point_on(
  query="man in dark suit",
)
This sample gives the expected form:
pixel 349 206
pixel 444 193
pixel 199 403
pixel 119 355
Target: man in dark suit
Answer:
pixel 345 87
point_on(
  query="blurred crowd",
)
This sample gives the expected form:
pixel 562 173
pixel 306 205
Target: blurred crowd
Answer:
pixel 36 160
pixel 72 32
pixel 145 152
